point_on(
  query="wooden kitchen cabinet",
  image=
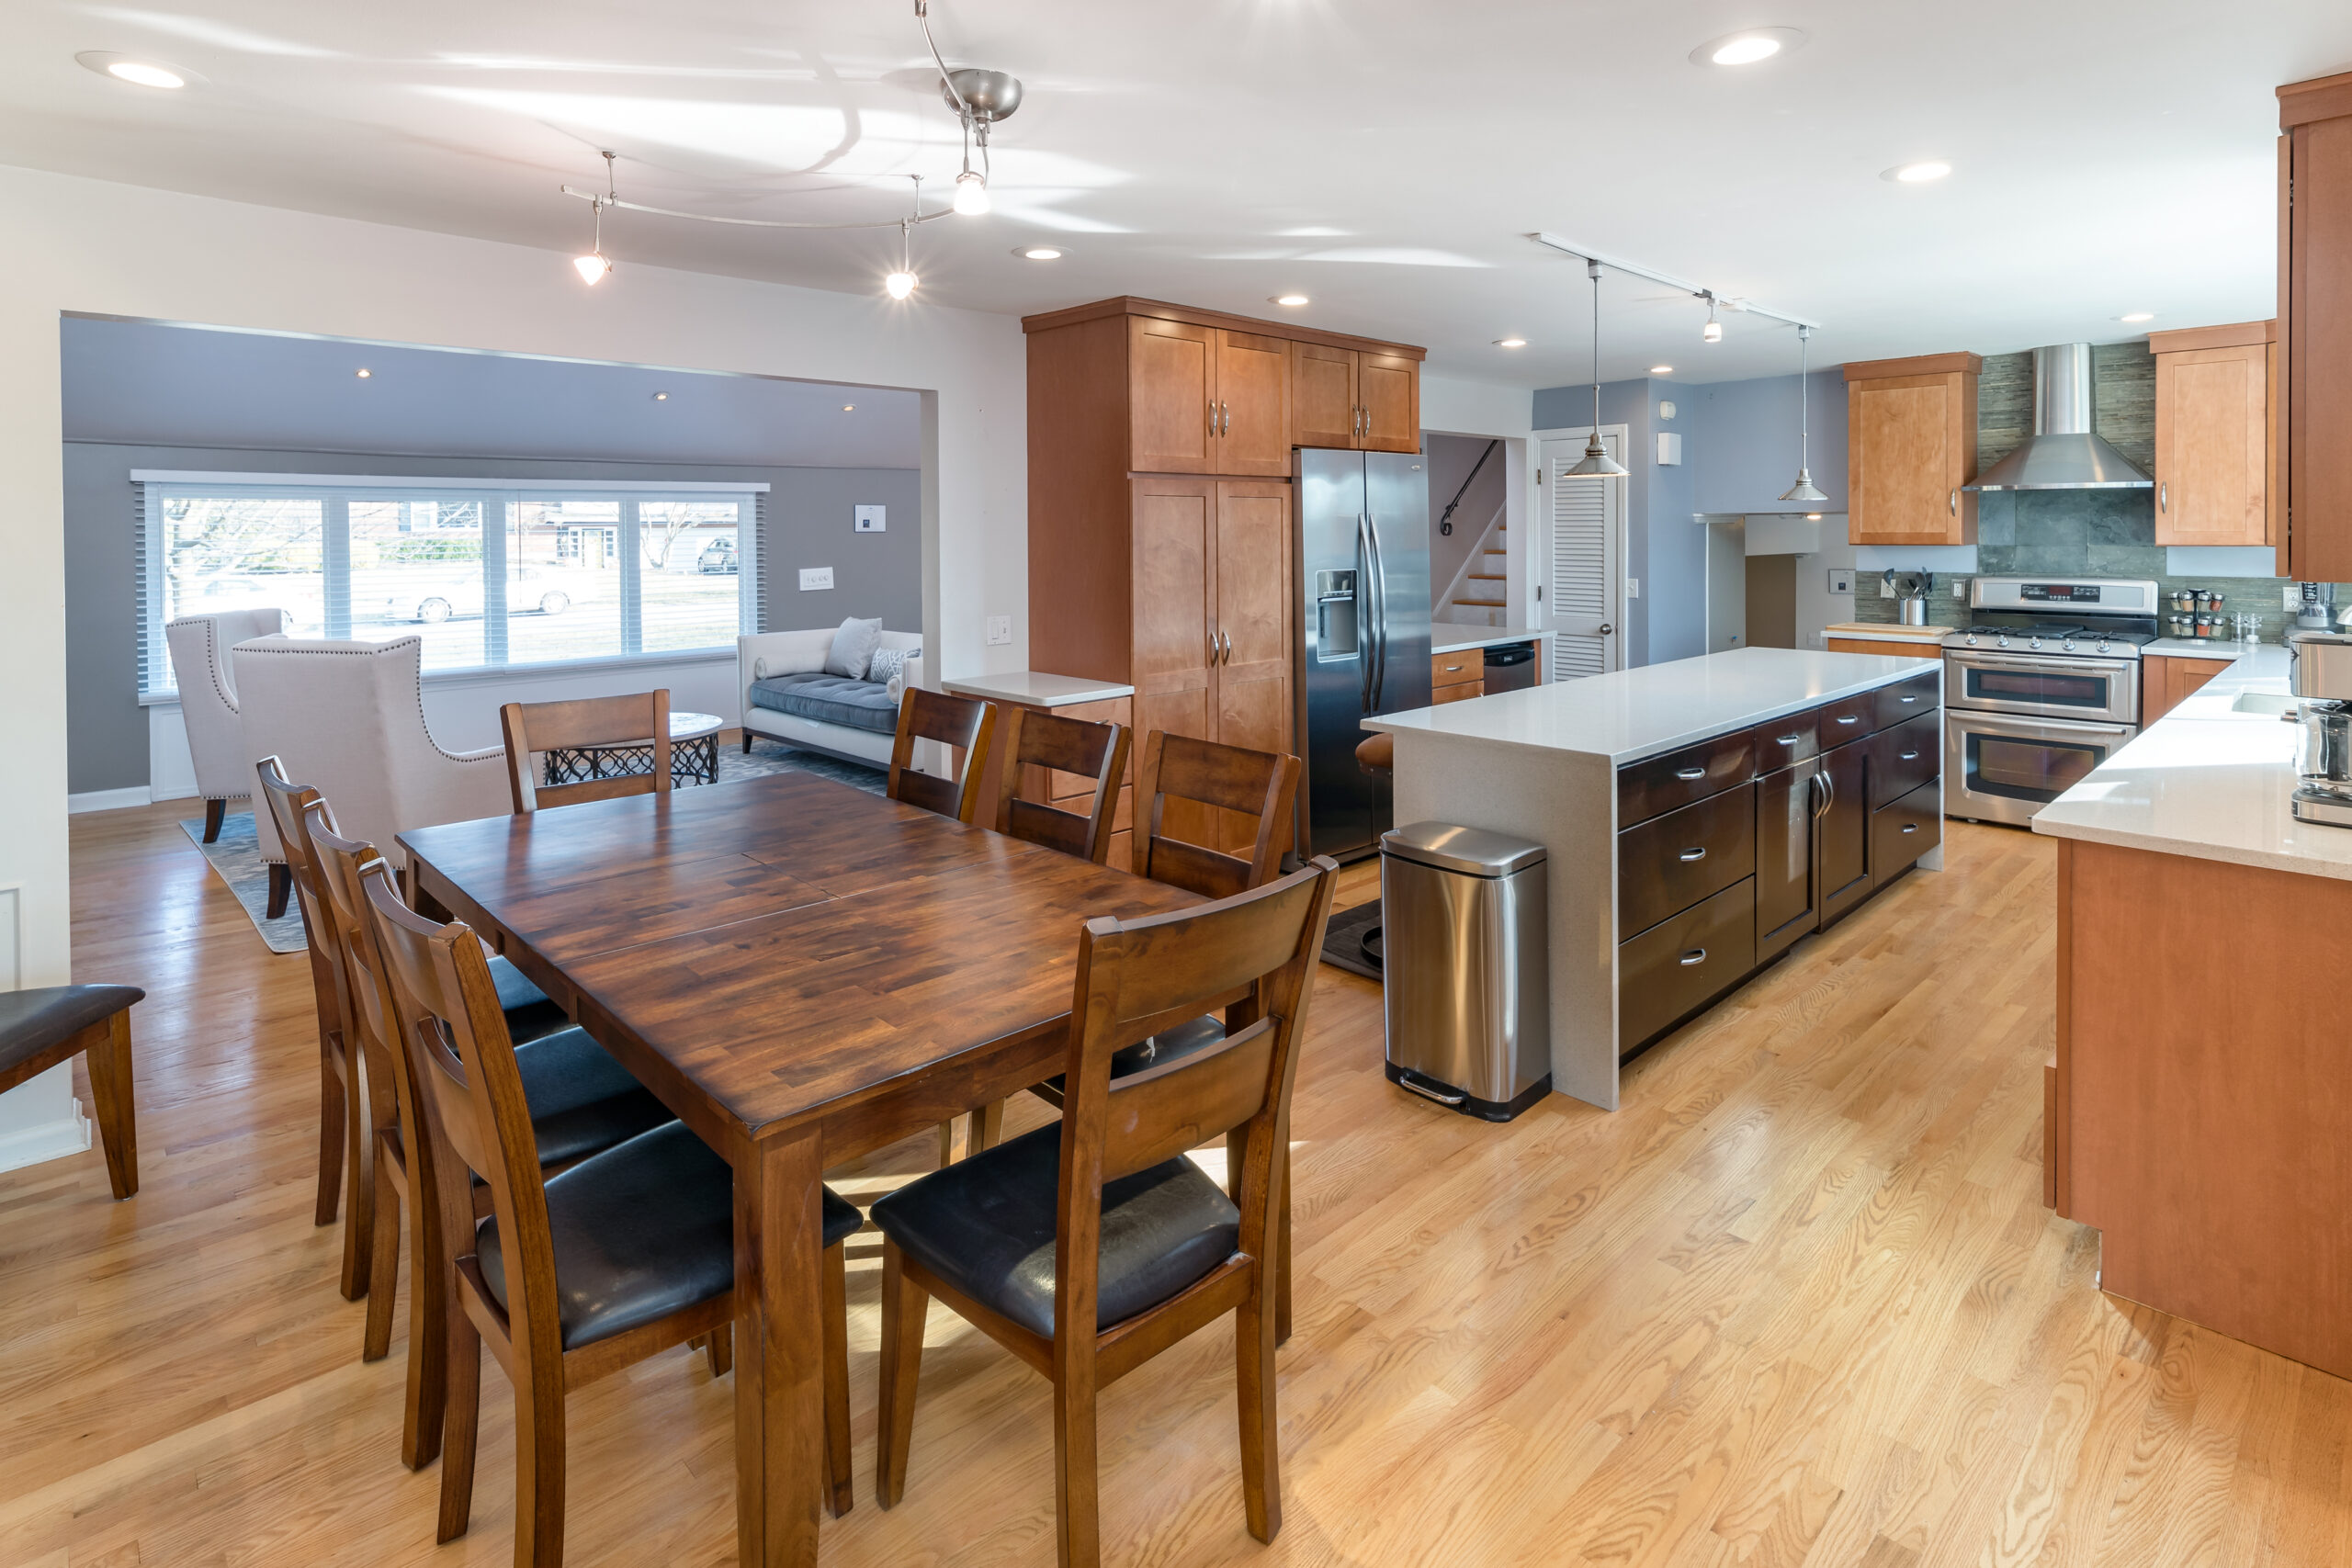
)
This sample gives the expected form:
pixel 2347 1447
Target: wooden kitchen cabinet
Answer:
pixel 1910 445
pixel 1212 609
pixel 1324 403
pixel 1171 397
pixel 1253 405
pixel 1389 386
pixel 2314 332
pixel 2213 440
pixel 2166 682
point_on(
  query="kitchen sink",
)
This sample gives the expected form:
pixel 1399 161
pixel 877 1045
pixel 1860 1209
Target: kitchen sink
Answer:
pixel 2273 703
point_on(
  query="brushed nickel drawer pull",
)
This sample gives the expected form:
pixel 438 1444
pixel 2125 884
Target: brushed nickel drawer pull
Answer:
pixel 1690 857
pixel 1690 772
pixel 1849 718
pixel 1693 958
pixel 1452 669
pixel 1910 827
pixel 1910 756
pixel 1911 699
pixel 1790 739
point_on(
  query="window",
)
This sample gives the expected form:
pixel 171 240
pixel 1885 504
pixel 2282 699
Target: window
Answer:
pixel 487 573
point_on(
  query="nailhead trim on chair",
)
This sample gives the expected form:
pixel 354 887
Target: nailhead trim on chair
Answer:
pixel 372 649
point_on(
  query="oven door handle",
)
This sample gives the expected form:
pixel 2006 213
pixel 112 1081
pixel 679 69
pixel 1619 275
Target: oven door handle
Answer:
pixel 2010 724
pixel 2075 664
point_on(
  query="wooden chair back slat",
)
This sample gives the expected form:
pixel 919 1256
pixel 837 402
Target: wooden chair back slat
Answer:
pixel 1035 738
pixel 338 862
pixel 1260 785
pixel 533 727
pixel 960 722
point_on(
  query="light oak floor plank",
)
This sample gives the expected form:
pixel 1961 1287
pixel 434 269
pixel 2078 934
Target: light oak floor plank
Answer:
pixel 1796 1304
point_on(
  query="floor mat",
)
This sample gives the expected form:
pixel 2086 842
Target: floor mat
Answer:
pixel 1353 940
pixel 236 856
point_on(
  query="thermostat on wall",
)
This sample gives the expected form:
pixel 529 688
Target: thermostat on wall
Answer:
pixel 870 519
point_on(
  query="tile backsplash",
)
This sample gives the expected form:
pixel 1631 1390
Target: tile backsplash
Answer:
pixel 2078 532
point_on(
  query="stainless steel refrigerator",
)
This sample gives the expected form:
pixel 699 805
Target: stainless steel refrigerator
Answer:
pixel 1364 568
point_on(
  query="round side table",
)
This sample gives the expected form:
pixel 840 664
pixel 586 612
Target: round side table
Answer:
pixel 694 754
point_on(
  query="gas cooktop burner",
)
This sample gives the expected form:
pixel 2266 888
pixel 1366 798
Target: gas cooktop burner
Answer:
pixel 2035 636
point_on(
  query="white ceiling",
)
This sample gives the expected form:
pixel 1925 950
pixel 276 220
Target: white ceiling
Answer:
pixel 1384 156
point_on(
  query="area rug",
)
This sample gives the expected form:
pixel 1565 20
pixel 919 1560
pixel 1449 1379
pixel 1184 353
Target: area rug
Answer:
pixel 236 855
pixel 1344 943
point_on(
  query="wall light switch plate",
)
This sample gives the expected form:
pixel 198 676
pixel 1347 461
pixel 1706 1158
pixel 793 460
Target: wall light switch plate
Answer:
pixel 1840 580
pixel 1632 588
pixel 815 577
pixel 999 630
pixel 871 519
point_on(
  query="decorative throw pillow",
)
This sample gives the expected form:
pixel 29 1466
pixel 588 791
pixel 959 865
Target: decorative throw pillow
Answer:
pixel 854 648
pixel 889 664
pixel 896 688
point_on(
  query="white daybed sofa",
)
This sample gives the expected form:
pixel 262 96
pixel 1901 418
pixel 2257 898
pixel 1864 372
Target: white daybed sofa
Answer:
pixel 788 696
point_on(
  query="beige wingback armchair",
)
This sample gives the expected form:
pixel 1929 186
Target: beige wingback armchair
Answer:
pixel 216 736
pixel 348 719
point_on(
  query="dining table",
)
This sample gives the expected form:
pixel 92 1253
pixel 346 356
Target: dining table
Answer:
pixel 802 972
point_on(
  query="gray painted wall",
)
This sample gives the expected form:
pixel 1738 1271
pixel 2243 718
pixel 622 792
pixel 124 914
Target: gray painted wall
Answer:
pixel 810 522
pixel 1742 442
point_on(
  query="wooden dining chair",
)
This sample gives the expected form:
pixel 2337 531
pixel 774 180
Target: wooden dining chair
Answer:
pixel 345 1179
pixel 959 722
pixel 1090 1245
pixel 46 1025
pixel 531 728
pixel 1182 771
pixel 1033 737
pixel 581 1102
pixel 571 1278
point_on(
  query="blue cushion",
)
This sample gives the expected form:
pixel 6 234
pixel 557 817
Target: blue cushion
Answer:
pixel 830 699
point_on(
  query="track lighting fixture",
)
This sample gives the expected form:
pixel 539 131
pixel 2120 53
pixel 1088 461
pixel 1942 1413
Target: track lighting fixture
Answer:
pixel 595 264
pixel 901 283
pixel 1713 330
pixel 1804 489
pixel 1596 463
pixel 971 194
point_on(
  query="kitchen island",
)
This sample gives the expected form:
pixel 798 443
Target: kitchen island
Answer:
pixel 1700 817
pixel 2197 1104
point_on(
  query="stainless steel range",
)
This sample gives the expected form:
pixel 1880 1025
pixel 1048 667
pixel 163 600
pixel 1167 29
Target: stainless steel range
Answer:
pixel 2041 686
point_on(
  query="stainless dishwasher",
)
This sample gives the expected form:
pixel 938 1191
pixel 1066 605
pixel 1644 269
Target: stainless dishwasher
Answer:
pixel 1510 668
pixel 1467 976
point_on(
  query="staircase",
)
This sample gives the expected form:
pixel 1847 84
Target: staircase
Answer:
pixel 1477 598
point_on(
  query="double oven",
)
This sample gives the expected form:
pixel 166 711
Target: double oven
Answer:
pixel 2041 687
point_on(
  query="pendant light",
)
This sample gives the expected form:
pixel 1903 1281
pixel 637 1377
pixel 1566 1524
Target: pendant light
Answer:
pixel 901 283
pixel 1596 464
pixel 595 264
pixel 1804 489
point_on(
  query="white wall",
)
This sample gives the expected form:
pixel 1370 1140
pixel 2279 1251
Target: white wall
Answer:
pixel 85 245
pixel 1455 407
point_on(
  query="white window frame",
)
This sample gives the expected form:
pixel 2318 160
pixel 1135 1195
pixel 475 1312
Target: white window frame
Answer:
pixel 338 492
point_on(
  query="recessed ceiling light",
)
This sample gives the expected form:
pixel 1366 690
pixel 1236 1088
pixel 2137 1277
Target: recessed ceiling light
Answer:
pixel 138 73
pixel 1287 299
pixel 1748 47
pixel 661 396
pixel 2138 316
pixel 1511 343
pixel 849 408
pixel 1037 252
pixel 363 373
pixel 1661 370
pixel 1916 173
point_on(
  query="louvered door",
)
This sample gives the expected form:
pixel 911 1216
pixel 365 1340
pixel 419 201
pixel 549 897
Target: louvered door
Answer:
pixel 1585 519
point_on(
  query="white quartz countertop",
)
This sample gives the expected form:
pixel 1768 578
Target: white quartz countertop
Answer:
pixel 2208 781
pixel 1638 713
pixel 2223 649
pixel 1033 688
pixel 1444 638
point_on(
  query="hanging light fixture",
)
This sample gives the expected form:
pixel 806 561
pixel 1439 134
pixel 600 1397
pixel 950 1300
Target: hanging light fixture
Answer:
pixel 1596 464
pixel 1804 489
pixel 901 283
pixel 595 264
pixel 1713 330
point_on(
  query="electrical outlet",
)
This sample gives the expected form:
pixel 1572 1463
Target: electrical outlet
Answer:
pixel 999 630
pixel 815 577
pixel 1885 589
pixel 872 519
pixel 2291 597
pixel 1960 588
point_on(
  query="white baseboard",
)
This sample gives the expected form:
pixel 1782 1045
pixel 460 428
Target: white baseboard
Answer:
pixel 46 1140
pixel 109 799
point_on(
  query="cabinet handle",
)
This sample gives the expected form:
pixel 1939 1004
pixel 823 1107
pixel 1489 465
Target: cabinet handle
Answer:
pixel 1910 827
pixel 1212 419
pixel 1908 699
pixel 1452 669
pixel 1849 718
pixel 1697 955
pixel 1227 638
pixel 1953 504
pixel 2163 490
pixel 1225 418
pixel 1910 756
pixel 1690 772
pixel 1790 739
pixel 1691 857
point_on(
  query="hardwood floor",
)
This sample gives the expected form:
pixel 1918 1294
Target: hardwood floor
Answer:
pixel 1798 1302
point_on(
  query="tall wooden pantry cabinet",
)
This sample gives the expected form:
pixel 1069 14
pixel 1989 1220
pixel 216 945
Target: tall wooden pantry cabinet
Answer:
pixel 1162 552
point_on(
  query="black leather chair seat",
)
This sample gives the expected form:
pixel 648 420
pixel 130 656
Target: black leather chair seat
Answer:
pixel 582 1100
pixel 33 1022
pixel 986 1226
pixel 529 1012
pixel 640 1232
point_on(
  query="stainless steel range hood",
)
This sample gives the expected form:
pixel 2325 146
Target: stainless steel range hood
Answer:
pixel 2062 453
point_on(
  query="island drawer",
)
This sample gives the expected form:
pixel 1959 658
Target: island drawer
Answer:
pixel 1908 698
pixel 1657 784
pixel 1847 718
pixel 1791 737
pixel 1670 863
pixel 1670 971
pixel 1903 757
pixel 1457 669
pixel 1903 831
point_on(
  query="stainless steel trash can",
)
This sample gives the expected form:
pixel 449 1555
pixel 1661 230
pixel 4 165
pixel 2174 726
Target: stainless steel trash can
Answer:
pixel 1467 977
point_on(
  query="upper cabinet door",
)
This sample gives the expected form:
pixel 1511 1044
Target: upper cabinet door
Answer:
pixel 1910 445
pixel 1253 405
pixel 1171 397
pixel 1325 411
pixel 2213 446
pixel 1389 388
